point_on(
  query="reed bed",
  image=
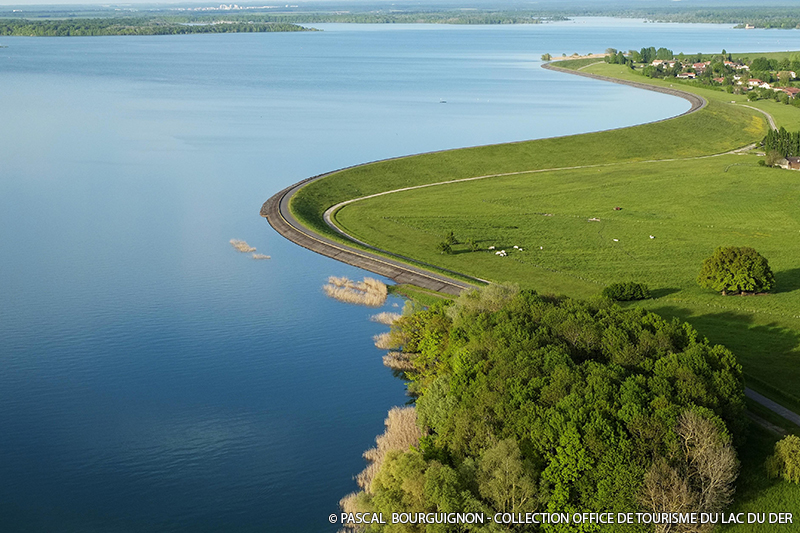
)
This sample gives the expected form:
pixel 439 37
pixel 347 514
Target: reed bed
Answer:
pixel 242 246
pixel 369 292
pixel 260 256
pixel 401 433
pixel 398 361
pixel 385 318
pixel 384 341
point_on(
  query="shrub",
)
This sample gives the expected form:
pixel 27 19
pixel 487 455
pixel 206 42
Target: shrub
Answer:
pixel 739 269
pixel 444 247
pixel 627 291
pixel 785 462
pixel 450 238
pixel 473 246
pixel 773 158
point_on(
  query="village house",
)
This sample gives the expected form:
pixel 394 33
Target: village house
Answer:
pixel 664 62
pixel 790 163
pixel 686 75
pixel 701 67
pixel 791 91
pixel 719 80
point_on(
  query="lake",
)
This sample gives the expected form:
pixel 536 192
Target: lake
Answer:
pixel 153 378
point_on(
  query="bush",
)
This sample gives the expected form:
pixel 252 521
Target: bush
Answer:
pixel 785 462
pixel 450 238
pixel 472 245
pixel 736 269
pixel 627 291
pixel 444 247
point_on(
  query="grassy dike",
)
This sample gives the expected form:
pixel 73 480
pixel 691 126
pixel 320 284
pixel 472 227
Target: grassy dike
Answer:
pixel 668 187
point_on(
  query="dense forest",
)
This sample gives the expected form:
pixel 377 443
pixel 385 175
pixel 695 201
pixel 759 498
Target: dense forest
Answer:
pixel 131 26
pixel 528 403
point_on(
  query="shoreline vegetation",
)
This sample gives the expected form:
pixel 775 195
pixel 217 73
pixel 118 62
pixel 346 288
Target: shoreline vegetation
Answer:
pixel 527 403
pixel 369 292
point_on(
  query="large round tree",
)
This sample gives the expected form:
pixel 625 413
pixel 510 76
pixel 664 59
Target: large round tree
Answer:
pixel 736 269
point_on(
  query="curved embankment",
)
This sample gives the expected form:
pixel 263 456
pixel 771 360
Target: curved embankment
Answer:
pixel 276 211
pixel 697 102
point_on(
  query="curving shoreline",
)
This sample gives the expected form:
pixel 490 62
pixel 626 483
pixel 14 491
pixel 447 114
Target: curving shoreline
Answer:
pixel 697 102
pixel 276 211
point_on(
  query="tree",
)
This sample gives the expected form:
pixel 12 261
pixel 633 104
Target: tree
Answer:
pixel 611 51
pixel 773 158
pixel 702 479
pixel 546 57
pixel 503 480
pixel 444 247
pixel 785 462
pixel 739 269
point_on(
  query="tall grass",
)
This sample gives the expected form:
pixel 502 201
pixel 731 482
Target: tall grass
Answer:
pixel 242 246
pixel 385 318
pixel 401 433
pixel 384 341
pixel 398 361
pixel 369 292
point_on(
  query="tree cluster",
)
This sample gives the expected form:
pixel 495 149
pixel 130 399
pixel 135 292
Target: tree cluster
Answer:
pixel 130 26
pixel 786 143
pixel 532 403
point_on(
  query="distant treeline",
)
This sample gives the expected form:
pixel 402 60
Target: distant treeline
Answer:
pixel 438 17
pixel 132 26
pixel 760 17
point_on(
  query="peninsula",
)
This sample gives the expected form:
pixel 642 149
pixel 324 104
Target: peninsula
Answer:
pixel 572 215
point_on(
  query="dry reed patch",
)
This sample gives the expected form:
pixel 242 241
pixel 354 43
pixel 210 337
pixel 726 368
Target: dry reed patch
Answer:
pixel 398 361
pixel 369 292
pixel 261 256
pixel 384 341
pixel 401 433
pixel 242 246
pixel 385 318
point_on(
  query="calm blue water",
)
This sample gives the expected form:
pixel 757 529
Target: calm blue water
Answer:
pixel 152 378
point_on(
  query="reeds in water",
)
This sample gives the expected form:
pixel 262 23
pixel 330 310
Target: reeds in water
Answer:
pixel 398 361
pixel 369 292
pixel 242 246
pixel 384 341
pixel 401 433
pixel 386 318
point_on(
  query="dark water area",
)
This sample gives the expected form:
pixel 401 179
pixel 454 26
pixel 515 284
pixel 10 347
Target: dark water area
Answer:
pixel 154 379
